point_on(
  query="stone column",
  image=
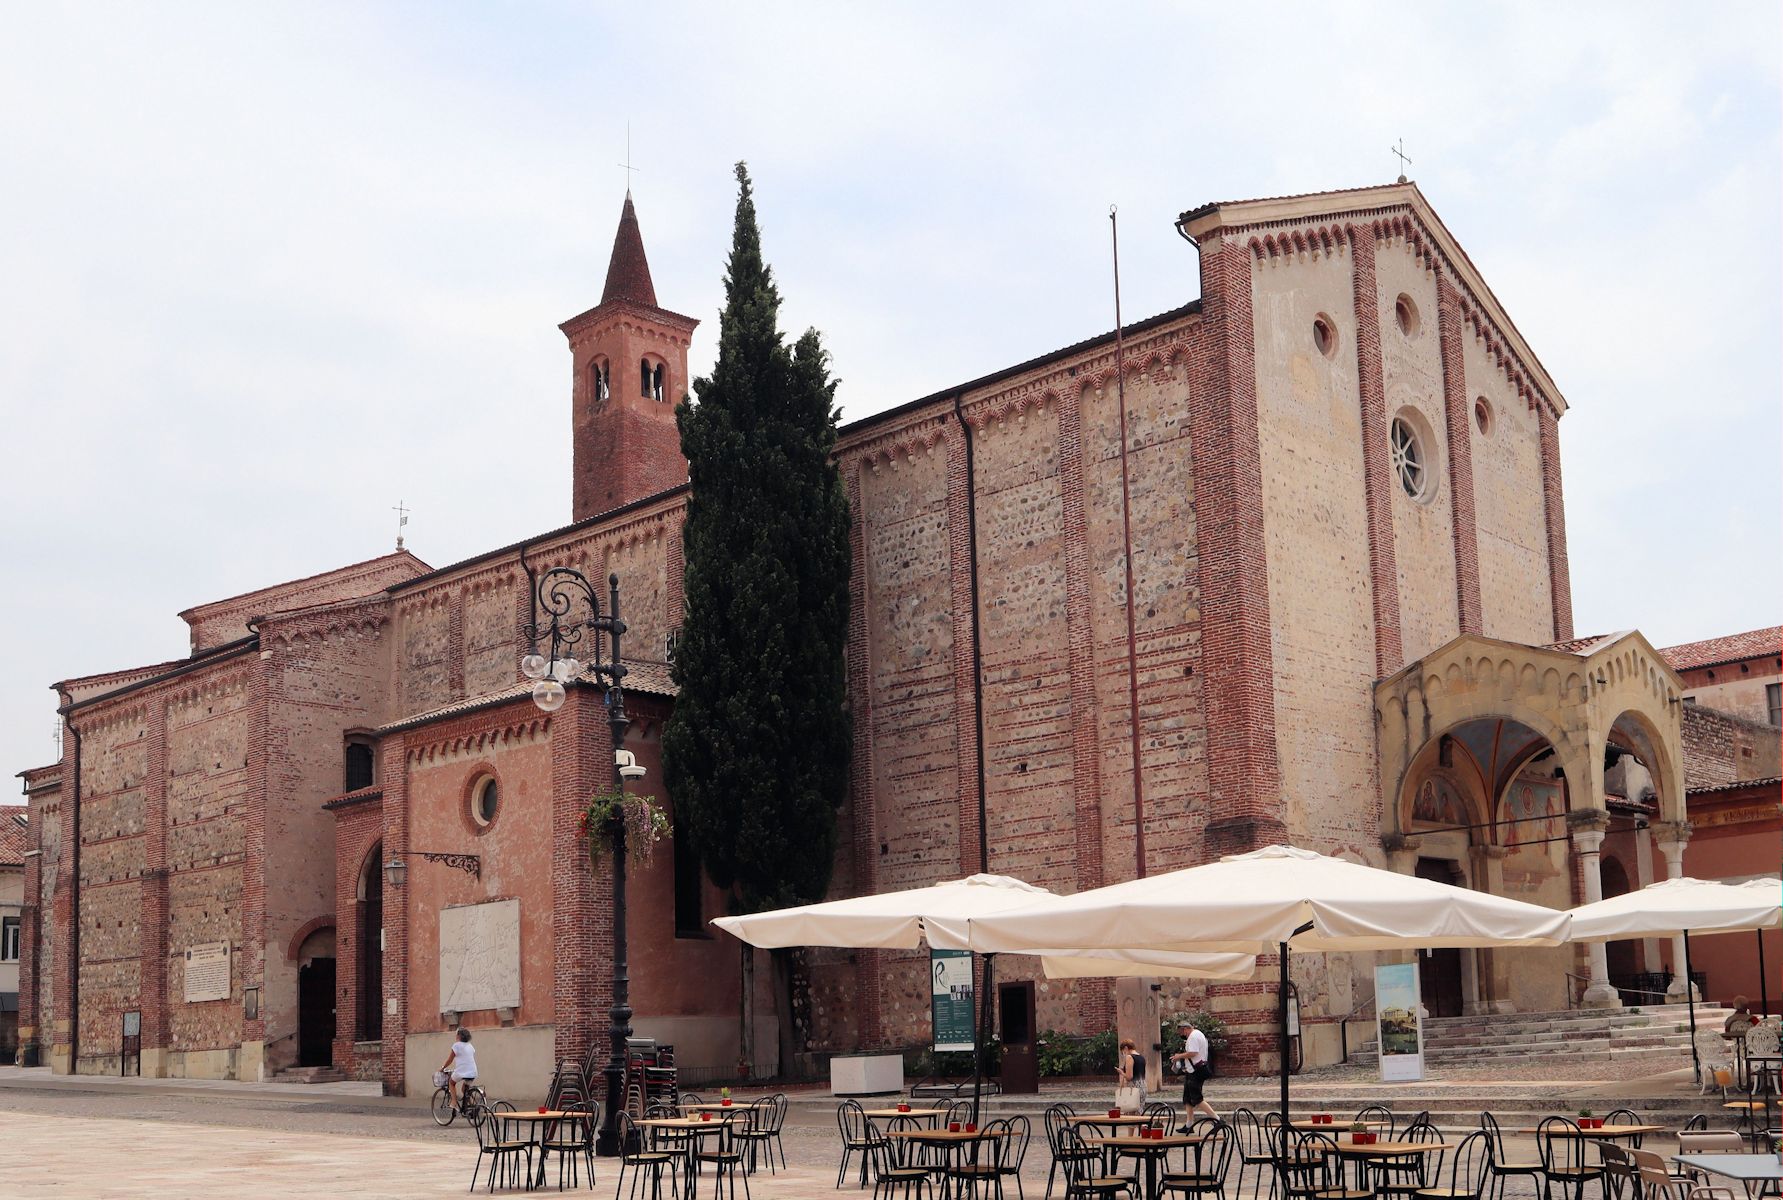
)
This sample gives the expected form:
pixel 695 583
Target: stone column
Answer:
pixel 1587 834
pixel 1491 971
pixel 1672 837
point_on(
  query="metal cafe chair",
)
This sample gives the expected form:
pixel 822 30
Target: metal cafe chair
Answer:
pixel 643 1162
pixel 1468 1171
pixel 1501 1166
pixel 1564 1156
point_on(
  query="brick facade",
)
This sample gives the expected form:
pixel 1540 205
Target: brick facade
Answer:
pixel 1277 568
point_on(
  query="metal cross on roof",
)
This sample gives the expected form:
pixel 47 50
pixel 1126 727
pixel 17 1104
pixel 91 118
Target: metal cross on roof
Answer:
pixel 630 170
pixel 1399 150
pixel 402 518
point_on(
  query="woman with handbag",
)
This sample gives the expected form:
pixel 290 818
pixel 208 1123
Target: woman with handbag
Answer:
pixel 1129 1078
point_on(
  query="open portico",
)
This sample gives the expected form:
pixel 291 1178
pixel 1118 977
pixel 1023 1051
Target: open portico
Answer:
pixel 1494 759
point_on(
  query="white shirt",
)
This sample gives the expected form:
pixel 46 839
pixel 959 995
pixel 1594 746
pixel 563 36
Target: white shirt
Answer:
pixel 464 1061
pixel 1196 1046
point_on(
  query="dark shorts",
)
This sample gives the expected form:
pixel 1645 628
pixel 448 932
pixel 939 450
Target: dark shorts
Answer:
pixel 1192 1084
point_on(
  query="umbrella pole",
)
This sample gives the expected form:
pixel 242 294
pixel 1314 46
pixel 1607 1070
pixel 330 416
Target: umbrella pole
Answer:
pixel 978 1028
pixel 1696 1062
pixel 1764 982
pixel 1282 1025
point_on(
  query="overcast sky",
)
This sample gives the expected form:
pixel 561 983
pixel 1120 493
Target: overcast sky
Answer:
pixel 267 269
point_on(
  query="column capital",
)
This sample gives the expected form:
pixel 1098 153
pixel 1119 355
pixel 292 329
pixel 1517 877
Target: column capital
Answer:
pixel 1667 833
pixel 1400 843
pixel 1588 826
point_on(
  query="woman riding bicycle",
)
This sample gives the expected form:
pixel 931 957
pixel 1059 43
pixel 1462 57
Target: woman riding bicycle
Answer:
pixel 460 1064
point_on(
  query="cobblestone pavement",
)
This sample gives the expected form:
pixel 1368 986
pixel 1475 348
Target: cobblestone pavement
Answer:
pixel 174 1138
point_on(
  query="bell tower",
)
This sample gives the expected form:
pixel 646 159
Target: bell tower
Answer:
pixel 629 359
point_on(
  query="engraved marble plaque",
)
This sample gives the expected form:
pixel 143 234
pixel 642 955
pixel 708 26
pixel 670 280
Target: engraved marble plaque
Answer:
pixel 207 972
pixel 480 956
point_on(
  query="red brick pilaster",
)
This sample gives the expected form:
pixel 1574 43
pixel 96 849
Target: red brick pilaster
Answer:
pixel 455 644
pixel 357 830
pixel 966 731
pixel 253 874
pixel 863 803
pixel 1459 413
pixel 61 1038
pixel 1559 573
pixel 582 903
pixel 675 565
pixel 1377 468
pixel 1244 774
pixel 1094 998
pixel 152 947
pixel 393 776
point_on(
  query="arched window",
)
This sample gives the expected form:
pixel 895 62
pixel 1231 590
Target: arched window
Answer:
pixel 656 383
pixel 644 377
pixel 598 380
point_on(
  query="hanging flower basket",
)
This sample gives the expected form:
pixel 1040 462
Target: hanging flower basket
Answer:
pixel 645 823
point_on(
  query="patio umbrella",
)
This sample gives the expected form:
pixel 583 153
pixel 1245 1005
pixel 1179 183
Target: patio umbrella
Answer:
pixel 1684 906
pixel 937 915
pixel 1273 899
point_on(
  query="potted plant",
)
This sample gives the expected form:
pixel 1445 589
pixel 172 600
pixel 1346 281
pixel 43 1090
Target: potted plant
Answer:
pixel 1587 1121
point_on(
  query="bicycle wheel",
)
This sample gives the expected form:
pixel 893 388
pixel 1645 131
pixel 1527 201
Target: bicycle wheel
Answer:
pixel 443 1112
pixel 475 1095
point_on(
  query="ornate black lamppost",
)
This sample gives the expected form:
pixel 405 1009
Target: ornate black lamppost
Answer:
pixel 558 591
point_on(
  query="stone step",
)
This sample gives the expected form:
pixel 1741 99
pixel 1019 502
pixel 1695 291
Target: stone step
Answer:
pixel 309 1075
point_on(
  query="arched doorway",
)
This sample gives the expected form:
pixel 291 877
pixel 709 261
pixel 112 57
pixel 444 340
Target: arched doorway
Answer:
pixel 1621 954
pixel 1440 984
pixel 368 1022
pixel 315 999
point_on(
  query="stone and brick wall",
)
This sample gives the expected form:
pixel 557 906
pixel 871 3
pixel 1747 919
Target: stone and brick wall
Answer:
pixel 1721 748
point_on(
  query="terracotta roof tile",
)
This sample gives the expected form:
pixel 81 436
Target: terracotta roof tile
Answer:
pixel 628 271
pixel 14 835
pixel 1713 652
pixel 646 678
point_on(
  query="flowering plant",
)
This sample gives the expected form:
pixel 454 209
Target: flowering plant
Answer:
pixel 646 823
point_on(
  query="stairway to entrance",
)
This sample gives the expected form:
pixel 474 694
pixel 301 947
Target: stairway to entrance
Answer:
pixel 1576 1038
pixel 308 1075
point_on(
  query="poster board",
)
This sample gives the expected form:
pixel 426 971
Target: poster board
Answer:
pixel 950 1000
pixel 1399 1022
pixel 207 972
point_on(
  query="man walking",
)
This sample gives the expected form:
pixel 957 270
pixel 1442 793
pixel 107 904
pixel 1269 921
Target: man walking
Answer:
pixel 1192 1061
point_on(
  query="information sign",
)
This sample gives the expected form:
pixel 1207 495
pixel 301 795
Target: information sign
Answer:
pixel 1399 1022
pixel 951 1000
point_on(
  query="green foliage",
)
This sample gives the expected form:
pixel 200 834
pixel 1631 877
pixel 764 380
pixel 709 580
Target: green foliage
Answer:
pixel 645 822
pixel 923 1062
pixel 1059 1054
pixel 1206 1022
pixel 756 754
pixel 1099 1052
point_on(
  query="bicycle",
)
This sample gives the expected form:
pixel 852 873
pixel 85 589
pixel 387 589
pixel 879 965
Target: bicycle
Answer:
pixel 469 1098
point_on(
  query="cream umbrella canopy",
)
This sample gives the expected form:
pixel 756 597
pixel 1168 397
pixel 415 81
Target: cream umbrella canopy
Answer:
pixel 1269 901
pixel 937 916
pixel 1686 906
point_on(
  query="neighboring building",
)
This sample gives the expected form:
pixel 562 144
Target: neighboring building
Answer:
pixel 1741 674
pixel 13 846
pixel 1348 625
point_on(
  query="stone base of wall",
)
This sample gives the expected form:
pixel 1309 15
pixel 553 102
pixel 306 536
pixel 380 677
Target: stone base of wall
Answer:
pixel 368 1062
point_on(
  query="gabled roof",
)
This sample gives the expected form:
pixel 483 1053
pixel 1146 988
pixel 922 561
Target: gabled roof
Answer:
pixel 1199 223
pixel 1734 647
pixel 385 567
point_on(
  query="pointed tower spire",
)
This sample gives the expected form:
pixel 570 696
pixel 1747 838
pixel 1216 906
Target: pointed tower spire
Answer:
pixel 628 271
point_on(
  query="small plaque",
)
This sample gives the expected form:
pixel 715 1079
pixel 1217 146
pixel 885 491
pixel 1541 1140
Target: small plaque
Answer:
pixel 207 972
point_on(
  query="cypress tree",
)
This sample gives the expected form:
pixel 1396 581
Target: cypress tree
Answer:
pixel 755 757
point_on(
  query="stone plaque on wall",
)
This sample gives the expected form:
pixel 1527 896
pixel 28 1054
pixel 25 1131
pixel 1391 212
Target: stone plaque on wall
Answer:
pixel 480 956
pixel 207 972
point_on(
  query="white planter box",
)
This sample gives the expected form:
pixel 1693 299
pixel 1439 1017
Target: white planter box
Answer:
pixel 867 1075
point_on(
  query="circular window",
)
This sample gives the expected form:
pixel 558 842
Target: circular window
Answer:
pixel 1482 414
pixel 1406 314
pixel 1410 463
pixel 1324 335
pixel 485 801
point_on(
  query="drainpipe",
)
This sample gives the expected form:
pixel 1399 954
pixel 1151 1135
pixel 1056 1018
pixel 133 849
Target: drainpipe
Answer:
pixel 532 593
pixel 74 923
pixel 984 853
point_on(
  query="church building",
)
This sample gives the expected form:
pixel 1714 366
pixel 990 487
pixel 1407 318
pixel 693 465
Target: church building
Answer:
pixel 1287 563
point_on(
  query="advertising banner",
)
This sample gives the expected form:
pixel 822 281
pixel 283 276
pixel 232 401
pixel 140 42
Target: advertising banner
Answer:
pixel 951 1000
pixel 1399 1023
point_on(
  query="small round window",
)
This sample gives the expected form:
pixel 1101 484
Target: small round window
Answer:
pixel 1410 464
pixel 485 801
pixel 1482 414
pixel 1405 314
pixel 1324 335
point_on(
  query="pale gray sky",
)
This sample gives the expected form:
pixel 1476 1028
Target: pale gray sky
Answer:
pixel 267 269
